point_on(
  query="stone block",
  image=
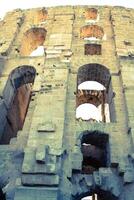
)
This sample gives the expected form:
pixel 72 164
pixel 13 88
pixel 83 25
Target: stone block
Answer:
pixel 129 176
pixel 77 158
pixel 46 127
pixel 40 179
pixel 41 154
pixel 36 193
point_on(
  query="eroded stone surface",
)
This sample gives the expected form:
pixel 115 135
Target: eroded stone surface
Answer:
pixel 45 160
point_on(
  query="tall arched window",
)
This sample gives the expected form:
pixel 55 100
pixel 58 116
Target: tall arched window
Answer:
pixel 94 94
pixel 16 95
pixel 32 42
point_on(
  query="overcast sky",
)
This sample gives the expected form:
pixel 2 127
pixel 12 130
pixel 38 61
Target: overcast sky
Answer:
pixel 6 5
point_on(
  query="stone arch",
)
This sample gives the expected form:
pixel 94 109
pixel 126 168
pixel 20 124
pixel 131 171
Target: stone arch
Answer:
pixel 32 39
pixel 91 13
pixel 89 183
pixel 94 72
pixel 100 195
pixel 22 75
pixel 97 97
pixel 16 96
pixel 94 31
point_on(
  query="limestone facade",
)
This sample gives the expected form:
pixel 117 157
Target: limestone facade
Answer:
pixel 45 151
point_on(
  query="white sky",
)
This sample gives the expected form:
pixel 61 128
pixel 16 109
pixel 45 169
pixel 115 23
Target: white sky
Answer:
pixel 6 5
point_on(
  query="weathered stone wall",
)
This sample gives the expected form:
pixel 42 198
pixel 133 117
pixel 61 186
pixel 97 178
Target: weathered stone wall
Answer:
pixel 44 161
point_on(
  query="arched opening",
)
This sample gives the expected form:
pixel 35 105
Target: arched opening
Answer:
pixel 40 16
pixel 91 14
pixel 94 148
pixel 94 94
pixel 17 93
pixel 98 194
pixel 92 32
pixel 2 195
pixel 33 40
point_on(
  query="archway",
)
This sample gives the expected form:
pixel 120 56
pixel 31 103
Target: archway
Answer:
pixel 96 194
pixel 33 38
pixel 94 93
pixel 95 179
pixel 16 94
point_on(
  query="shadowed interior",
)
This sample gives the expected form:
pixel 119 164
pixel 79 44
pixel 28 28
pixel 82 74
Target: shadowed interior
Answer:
pixel 20 82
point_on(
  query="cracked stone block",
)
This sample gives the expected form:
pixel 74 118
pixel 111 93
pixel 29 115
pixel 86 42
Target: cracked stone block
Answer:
pixel 56 151
pixel 76 165
pixel 51 168
pixel 32 193
pixel 41 154
pixel 122 167
pixel 47 127
pixel 89 180
pixel 129 176
pixel 52 159
pixel 109 181
pixel 29 160
pixel 97 178
pixel 40 179
pixel 18 182
pixel 77 159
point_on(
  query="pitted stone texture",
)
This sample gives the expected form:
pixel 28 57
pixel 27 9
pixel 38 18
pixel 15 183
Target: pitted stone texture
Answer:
pixel 104 180
pixel 40 179
pixel 54 100
pixel 32 164
pixel 15 18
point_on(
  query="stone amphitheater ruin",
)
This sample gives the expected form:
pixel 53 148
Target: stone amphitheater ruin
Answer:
pixel 66 104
